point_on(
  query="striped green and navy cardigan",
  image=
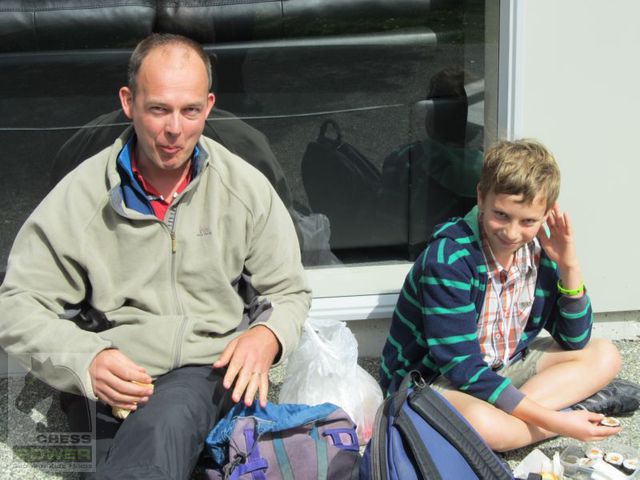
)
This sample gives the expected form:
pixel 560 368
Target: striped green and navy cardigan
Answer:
pixel 434 325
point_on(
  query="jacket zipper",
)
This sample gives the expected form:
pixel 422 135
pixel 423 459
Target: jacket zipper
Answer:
pixel 171 224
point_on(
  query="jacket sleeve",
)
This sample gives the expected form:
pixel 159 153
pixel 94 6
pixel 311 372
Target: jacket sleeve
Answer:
pixel 447 292
pixel 277 273
pixel 44 273
pixel 570 320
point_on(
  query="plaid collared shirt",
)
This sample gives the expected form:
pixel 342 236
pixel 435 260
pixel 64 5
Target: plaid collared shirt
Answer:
pixel 507 303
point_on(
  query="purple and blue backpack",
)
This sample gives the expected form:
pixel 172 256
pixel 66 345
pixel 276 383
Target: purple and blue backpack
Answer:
pixel 284 442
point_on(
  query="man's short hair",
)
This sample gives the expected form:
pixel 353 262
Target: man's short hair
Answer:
pixel 522 167
pixel 158 40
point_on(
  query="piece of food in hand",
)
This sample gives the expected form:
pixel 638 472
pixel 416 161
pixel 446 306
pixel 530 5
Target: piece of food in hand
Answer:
pixel 122 413
pixel 143 384
pixel 610 422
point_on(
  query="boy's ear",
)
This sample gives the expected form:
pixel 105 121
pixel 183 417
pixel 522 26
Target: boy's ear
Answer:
pixel 544 227
pixel 549 210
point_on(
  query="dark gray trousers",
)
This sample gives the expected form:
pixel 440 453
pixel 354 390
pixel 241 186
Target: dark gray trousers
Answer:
pixel 162 439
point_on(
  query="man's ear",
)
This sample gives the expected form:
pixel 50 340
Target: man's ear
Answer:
pixel 211 101
pixel 126 100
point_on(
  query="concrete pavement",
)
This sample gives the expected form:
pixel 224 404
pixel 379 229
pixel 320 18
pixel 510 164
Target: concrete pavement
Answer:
pixel 28 411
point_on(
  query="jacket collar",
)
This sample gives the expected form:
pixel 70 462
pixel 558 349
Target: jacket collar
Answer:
pixel 125 190
pixel 471 219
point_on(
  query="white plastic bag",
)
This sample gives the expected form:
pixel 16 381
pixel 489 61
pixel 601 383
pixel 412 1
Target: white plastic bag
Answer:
pixel 325 368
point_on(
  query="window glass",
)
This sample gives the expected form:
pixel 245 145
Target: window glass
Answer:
pixel 367 117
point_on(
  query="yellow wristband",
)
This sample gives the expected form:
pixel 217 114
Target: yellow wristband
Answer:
pixel 566 291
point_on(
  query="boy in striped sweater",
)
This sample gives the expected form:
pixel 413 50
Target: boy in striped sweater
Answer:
pixel 475 301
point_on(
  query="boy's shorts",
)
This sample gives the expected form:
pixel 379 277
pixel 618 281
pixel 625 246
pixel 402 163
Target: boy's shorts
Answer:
pixel 519 371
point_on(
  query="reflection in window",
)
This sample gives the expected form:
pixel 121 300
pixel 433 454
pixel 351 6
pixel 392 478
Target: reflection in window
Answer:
pixel 367 118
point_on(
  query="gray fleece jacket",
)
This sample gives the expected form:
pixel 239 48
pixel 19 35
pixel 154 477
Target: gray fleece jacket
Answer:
pixel 166 286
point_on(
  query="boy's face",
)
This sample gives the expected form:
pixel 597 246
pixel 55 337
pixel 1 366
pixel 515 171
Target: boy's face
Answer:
pixel 509 224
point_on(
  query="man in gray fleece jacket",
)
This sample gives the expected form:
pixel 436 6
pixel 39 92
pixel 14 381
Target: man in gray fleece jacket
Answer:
pixel 157 231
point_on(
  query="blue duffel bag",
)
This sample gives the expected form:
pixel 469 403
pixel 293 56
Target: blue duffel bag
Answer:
pixel 419 435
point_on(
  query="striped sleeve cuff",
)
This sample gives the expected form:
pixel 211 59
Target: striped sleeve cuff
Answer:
pixel 573 305
pixel 509 398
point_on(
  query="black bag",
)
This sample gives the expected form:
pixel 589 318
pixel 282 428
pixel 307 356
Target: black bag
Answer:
pixel 419 435
pixel 342 184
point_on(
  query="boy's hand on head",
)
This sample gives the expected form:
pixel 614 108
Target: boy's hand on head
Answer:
pixel 560 245
pixel 560 248
pixel 248 359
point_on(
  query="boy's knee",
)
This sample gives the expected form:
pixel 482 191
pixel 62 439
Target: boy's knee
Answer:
pixel 483 419
pixel 604 353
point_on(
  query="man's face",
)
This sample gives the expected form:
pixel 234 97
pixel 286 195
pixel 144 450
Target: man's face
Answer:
pixel 509 223
pixel 169 107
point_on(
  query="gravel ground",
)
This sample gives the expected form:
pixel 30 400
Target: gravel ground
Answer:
pixel 43 416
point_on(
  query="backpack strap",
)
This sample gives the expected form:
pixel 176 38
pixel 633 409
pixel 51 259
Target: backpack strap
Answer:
pixel 419 452
pixel 413 378
pixel 283 458
pixel 439 414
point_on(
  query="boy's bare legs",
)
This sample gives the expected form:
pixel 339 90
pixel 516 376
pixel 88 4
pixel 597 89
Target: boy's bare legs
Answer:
pixel 563 379
pixel 567 376
pixel 501 431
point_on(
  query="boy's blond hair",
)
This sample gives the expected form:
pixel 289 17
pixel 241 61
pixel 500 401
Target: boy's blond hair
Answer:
pixel 521 167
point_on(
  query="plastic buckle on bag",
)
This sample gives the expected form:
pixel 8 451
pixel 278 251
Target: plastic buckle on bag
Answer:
pixel 335 433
